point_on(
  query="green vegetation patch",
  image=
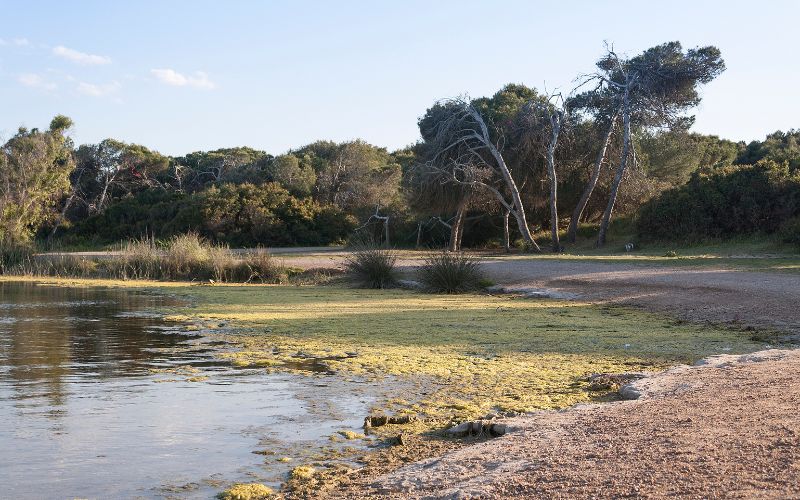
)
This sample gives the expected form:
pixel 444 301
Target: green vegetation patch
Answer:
pixel 246 491
pixel 459 356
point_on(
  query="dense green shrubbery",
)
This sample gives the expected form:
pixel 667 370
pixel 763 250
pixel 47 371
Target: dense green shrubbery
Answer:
pixel 724 202
pixel 790 231
pixel 242 215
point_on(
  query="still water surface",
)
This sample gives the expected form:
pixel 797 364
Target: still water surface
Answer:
pixel 100 398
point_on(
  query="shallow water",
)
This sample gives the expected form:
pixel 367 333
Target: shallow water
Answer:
pixel 99 398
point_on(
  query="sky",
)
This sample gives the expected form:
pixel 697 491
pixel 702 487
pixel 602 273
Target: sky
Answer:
pixel 181 76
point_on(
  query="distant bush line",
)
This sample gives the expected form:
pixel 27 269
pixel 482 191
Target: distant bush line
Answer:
pixel 240 215
pixel 725 202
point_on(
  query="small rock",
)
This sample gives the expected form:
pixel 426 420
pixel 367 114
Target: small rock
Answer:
pixel 381 420
pixel 496 430
pixel 628 391
pixel 477 428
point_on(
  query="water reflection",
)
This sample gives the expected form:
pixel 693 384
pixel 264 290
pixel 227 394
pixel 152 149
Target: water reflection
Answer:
pixel 95 402
pixel 50 335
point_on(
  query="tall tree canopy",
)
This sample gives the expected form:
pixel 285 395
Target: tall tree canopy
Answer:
pixel 652 89
pixel 34 172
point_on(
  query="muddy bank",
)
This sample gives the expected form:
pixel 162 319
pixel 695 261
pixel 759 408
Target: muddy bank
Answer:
pixel 725 428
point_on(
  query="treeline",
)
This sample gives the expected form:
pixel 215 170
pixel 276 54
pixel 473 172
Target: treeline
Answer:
pixel 496 170
pixel 240 196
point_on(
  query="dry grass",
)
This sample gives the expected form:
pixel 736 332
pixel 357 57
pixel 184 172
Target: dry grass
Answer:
pixel 183 258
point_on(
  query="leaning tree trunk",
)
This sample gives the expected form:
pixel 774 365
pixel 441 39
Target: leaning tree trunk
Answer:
pixel 506 232
pixel 458 226
pixel 555 120
pixel 623 163
pixel 572 232
pixel 62 217
pixel 518 208
pixel 460 234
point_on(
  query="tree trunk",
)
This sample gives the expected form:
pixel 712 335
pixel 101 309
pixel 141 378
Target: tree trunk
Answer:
pixel 461 231
pixel 61 217
pixel 419 234
pixel 623 163
pixel 519 209
pixel 506 232
pixel 555 121
pixel 456 229
pixel 572 232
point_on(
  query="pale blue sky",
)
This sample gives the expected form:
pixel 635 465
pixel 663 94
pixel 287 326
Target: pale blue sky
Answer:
pixel 180 76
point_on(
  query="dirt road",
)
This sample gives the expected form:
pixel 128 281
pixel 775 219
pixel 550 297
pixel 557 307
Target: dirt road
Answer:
pixel 759 299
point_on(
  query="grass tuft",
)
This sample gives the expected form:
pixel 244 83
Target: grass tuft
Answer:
pixel 372 267
pixel 447 272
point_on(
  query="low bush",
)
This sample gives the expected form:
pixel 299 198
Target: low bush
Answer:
pixel 451 273
pixel 260 266
pixel 790 231
pixel 239 215
pixel 372 267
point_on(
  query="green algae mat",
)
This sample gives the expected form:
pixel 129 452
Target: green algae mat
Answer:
pixel 447 358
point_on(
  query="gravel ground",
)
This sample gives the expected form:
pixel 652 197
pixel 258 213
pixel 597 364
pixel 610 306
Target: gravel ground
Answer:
pixel 727 429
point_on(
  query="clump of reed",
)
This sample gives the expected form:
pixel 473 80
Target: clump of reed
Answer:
pixel 372 267
pixel 187 257
pixel 449 272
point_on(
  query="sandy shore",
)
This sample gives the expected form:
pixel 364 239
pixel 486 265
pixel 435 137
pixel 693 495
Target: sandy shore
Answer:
pixel 728 428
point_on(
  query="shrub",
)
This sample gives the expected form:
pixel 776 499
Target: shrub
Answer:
pixel 790 231
pixel 259 265
pixel 372 267
pixel 240 215
pixel 723 203
pixel 451 273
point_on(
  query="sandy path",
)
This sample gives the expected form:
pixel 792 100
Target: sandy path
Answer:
pixel 758 299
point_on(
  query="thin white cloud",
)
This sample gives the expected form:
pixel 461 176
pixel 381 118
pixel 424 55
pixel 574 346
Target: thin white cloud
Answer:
pixel 19 42
pixel 80 57
pixel 98 90
pixel 35 81
pixel 169 76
